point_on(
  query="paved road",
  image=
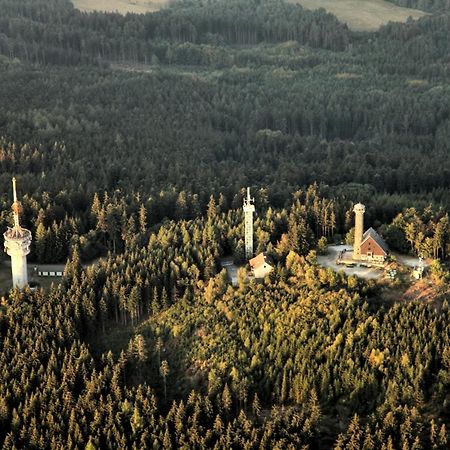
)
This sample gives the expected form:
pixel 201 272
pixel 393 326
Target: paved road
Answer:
pixel 329 260
pixel 231 269
pixel 410 261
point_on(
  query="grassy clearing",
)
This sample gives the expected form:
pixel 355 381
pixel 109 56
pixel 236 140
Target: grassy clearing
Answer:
pixel 363 15
pixel 120 6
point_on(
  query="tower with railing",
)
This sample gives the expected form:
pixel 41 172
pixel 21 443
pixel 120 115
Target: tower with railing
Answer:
pixel 359 210
pixel 17 245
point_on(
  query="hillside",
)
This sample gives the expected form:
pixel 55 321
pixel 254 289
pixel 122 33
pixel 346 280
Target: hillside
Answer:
pixel 120 6
pixel 133 138
pixel 363 15
pixel 359 15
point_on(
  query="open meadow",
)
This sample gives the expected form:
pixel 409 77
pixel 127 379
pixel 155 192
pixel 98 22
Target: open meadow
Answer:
pixel 120 6
pixel 359 15
pixel 363 15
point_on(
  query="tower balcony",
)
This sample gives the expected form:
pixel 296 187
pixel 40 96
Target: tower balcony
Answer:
pixel 17 241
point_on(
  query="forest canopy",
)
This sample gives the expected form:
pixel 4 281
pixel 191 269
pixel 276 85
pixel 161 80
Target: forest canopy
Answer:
pixel 132 138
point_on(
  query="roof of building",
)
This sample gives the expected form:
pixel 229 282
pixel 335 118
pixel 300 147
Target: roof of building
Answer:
pixel 49 267
pixel 371 233
pixel 260 260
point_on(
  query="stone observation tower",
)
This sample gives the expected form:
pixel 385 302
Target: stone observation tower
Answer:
pixel 17 245
pixel 359 210
pixel 249 209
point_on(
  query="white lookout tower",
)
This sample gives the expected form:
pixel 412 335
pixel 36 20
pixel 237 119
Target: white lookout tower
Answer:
pixel 249 209
pixel 17 245
pixel 359 210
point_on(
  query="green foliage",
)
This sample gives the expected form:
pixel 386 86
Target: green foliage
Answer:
pixel 306 344
pixel 425 233
pixel 144 165
pixel 34 31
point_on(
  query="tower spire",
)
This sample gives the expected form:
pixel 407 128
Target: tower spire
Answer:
pixel 249 209
pixel 16 205
pixel 14 189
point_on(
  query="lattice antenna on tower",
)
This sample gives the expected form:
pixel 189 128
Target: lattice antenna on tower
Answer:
pixel 249 209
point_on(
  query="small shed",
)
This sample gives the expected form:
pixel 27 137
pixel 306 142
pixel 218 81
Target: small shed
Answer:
pixel 261 265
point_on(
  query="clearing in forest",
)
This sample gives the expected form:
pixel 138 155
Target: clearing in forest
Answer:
pixel 120 6
pixel 363 15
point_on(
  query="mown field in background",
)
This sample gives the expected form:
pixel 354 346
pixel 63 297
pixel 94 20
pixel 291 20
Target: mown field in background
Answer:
pixel 363 15
pixel 121 6
pixel 359 15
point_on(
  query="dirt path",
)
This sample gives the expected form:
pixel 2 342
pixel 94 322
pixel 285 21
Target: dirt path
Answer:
pixel 231 268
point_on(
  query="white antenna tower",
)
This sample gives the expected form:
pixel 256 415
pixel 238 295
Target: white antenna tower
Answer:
pixel 17 245
pixel 16 206
pixel 249 209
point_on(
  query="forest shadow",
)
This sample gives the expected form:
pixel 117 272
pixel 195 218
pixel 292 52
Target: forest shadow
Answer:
pixel 115 338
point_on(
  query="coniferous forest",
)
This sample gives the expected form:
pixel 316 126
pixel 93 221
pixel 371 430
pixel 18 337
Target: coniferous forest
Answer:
pixel 133 137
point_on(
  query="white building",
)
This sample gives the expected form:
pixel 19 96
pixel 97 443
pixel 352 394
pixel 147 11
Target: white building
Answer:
pixel 261 266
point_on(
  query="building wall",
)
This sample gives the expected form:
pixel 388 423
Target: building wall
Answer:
pixel 375 258
pixel 47 273
pixel 262 271
pixel 370 246
pixel 19 271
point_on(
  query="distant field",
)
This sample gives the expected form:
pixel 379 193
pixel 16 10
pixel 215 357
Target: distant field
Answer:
pixel 363 15
pixel 121 6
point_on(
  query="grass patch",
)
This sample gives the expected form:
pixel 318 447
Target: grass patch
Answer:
pixel 347 76
pixel 363 15
pixel 120 6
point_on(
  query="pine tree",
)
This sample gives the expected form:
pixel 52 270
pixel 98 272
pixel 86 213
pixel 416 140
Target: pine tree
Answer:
pixel 137 421
pixel 226 399
pixel 164 371
pixel 142 219
pixel 212 209
pixel 256 406
pixel 90 445
pixel 41 243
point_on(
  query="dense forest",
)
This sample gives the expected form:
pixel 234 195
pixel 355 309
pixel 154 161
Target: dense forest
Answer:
pixel 308 360
pixel 132 138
